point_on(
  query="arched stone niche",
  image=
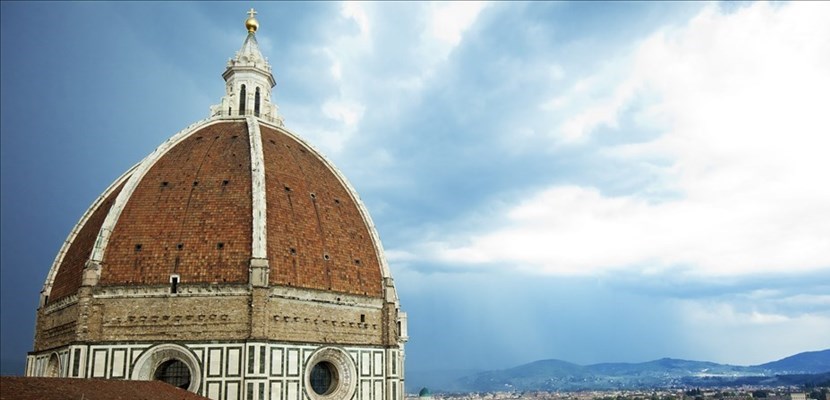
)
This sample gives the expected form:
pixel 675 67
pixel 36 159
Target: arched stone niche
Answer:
pixel 53 366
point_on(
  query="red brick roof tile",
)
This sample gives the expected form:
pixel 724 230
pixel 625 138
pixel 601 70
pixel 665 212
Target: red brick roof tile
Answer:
pixel 26 388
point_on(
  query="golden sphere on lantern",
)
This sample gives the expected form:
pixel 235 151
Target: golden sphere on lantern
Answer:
pixel 251 24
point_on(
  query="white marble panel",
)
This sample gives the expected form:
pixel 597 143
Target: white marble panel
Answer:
pixel 118 358
pixel 276 361
pixel 293 363
pixel 134 354
pixel 214 362
pixel 365 390
pixel 234 355
pixel 365 363
pixel 64 357
pixel 378 363
pixel 293 390
pixel 99 363
pixel 378 389
pixel 232 391
pixel 276 390
pixel 214 390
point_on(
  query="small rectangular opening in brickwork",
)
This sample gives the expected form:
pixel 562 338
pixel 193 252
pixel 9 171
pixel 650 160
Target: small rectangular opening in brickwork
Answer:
pixel 362 317
pixel 220 245
pixel 164 184
pixel 225 182
pixel 287 189
pixel 174 283
pixel 293 251
pixel 234 137
pixel 179 246
pixel 195 183
pixel 356 261
pixel 138 247
pixel 326 256
pixel 336 201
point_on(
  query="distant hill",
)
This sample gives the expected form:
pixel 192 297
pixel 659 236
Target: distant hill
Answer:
pixel 558 375
pixel 811 362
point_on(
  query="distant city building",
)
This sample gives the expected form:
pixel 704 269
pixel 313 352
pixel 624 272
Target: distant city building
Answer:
pixel 234 261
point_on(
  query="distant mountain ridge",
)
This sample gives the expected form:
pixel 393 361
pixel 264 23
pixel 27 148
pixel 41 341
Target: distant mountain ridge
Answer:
pixel 806 362
pixel 558 375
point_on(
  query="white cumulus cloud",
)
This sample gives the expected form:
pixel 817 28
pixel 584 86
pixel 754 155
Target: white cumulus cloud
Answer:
pixel 449 20
pixel 740 100
pixel 724 332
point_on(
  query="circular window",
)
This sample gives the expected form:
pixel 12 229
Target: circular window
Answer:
pixel 330 374
pixel 174 372
pixel 170 363
pixel 323 378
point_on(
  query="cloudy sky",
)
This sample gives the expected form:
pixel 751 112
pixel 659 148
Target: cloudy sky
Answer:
pixel 593 182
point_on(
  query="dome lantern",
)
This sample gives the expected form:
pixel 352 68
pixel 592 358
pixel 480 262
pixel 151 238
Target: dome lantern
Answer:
pixel 248 81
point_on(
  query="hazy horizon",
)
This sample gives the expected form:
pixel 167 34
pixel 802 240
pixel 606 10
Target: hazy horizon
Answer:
pixel 16 367
pixel 591 182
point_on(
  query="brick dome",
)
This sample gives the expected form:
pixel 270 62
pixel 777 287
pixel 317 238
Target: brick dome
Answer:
pixel 234 261
pixel 187 210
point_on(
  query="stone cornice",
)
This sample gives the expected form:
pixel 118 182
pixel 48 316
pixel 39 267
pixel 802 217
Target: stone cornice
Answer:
pixel 184 290
pixel 61 304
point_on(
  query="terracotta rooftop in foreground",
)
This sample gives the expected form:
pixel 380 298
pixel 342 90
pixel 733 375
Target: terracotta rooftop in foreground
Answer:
pixel 24 388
